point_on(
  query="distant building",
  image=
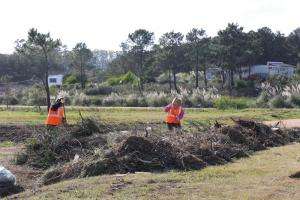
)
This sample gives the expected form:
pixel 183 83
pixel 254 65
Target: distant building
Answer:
pixel 270 69
pixel 56 80
pixel 212 73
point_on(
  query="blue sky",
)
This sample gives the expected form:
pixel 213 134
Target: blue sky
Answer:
pixel 104 24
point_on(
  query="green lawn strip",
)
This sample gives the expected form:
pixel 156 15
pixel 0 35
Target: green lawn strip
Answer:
pixel 148 115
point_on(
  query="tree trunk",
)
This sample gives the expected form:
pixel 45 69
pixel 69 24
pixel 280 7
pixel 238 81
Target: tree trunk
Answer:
pixel 46 84
pixel 240 73
pixel 81 75
pixel 47 90
pixel 175 81
pixel 205 79
pixel 249 71
pixel 222 79
pixel 231 83
pixel 170 80
pixel 141 71
pixel 197 70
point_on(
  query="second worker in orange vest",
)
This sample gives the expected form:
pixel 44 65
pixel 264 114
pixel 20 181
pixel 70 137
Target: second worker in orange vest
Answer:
pixel 175 114
pixel 56 114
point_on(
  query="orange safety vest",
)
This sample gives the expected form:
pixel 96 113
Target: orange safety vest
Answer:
pixel 55 118
pixel 173 113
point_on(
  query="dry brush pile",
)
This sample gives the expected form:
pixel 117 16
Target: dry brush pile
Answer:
pixel 91 148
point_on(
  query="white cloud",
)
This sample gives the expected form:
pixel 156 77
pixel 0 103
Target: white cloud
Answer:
pixel 105 24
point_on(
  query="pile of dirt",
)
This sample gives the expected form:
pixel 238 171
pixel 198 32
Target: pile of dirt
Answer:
pixel 156 152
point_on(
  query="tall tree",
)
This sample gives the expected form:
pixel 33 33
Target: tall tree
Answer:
pixel 196 38
pixel 233 39
pixel 139 41
pixel 81 55
pixel 293 44
pixel 38 49
pixel 171 43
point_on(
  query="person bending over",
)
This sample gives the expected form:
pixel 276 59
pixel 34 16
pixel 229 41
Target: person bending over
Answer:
pixel 175 114
pixel 56 114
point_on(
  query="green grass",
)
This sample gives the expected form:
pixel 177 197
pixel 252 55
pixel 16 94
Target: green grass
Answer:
pixel 7 144
pixel 25 115
pixel 263 176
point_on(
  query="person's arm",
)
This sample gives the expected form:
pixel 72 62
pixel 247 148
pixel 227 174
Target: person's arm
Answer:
pixel 62 114
pixel 167 108
pixel 181 114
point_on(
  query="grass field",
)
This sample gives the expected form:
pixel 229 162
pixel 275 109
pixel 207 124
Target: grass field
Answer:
pixel 263 176
pixel 26 115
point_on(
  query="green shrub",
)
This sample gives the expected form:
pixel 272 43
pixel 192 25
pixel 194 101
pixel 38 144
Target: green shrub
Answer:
pixel 53 90
pixel 99 90
pixel 96 101
pixel 245 88
pixel 262 100
pixel 81 99
pixel 132 101
pixel 156 99
pixel 71 79
pixel 225 102
pixel 128 78
pixel 277 102
pixel 295 100
pixel 113 100
pixel 10 100
pixel 142 102
pixel 34 96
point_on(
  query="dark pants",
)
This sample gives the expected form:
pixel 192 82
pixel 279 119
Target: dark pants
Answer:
pixel 171 126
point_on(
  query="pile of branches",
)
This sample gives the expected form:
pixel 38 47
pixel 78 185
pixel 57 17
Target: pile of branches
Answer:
pixel 57 145
pixel 187 151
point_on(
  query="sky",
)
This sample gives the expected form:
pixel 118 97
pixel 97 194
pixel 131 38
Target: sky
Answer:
pixel 104 24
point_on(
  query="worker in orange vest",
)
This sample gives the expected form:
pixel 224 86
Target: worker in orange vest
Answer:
pixel 56 114
pixel 175 114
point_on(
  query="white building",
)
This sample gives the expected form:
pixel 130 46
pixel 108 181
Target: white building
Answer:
pixel 56 80
pixel 270 69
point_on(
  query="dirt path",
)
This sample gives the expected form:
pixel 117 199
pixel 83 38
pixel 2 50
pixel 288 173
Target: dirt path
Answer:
pixel 26 176
pixel 287 123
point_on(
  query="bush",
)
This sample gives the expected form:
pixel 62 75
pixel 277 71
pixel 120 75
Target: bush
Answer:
pixel 53 90
pixel 128 78
pixel 294 100
pixel 223 103
pixel 81 99
pixel 10 100
pixel 156 99
pixel 262 100
pixel 99 90
pixel 34 96
pixel 113 100
pixel 96 101
pixel 245 88
pixel 203 98
pixel 70 79
pixel 132 100
pixel 277 102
